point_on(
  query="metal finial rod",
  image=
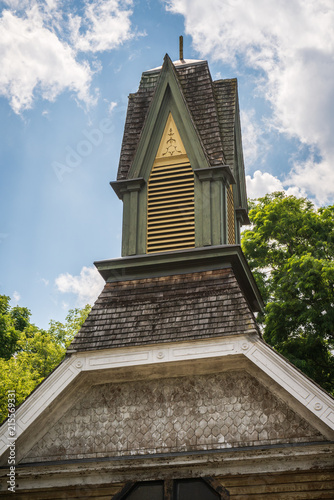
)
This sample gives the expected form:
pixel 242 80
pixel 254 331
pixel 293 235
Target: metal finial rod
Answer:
pixel 181 47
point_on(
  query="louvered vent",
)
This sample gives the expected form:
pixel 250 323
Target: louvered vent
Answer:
pixel 230 217
pixel 170 210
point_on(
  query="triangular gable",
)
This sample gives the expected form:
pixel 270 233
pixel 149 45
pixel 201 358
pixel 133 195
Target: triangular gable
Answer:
pixel 189 413
pixel 211 119
pixel 68 384
pixel 168 98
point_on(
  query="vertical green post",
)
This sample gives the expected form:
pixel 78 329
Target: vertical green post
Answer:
pixel 133 222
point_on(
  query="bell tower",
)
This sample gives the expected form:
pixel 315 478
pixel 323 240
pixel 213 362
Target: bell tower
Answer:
pixel 181 174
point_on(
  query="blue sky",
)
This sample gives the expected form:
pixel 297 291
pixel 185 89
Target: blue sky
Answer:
pixel 66 71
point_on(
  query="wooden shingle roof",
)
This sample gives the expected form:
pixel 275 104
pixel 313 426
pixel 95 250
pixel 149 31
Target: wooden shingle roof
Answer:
pixel 192 306
pixel 225 97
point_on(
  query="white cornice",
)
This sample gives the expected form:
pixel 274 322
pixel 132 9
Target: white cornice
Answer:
pixel 293 381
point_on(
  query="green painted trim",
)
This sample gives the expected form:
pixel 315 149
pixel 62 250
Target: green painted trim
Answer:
pixel 142 221
pixel 126 224
pixel 133 225
pixel 237 231
pixel 198 212
pixel 242 215
pixel 224 215
pixel 128 190
pixel 185 261
pixel 121 187
pixel 216 212
pixel 206 197
pixel 219 172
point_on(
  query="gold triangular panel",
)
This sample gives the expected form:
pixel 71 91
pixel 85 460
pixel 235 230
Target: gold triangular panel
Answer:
pixel 171 144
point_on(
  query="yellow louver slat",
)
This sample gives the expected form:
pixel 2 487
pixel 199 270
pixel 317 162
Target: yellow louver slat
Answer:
pixel 170 208
pixel 230 217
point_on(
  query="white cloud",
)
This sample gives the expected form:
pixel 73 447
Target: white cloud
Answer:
pixel 262 183
pixel 87 286
pixel 39 45
pixel 105 25
pixel 314 177
pixel 251 138
pixel 291 44
pixel 111 107
pixel 16 297
pixel 34 61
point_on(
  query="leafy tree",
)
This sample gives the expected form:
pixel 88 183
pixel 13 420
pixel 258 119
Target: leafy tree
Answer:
pixel 13 320
pixel 74 320
pixel 37 351
pixel 290 249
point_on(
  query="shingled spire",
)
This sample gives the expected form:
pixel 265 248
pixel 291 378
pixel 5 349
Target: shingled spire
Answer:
pixel 183 276
pixel 205 120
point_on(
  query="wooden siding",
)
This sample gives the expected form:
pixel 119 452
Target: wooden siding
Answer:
pixel 306 485
pixel 289 486
pixel 82 492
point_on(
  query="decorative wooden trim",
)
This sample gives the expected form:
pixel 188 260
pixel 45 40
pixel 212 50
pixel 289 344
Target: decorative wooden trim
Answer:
pixel 168 485
pixel 168 97
pixel 171 144
pixel 218 487
pixel 127 186
pixel 168 489
pixel 124 491
pixel 223 172
pixel 242 215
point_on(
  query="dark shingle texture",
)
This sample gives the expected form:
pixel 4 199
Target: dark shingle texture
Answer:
pixel 225 97
pixel 200 96
pixel 137 110
pixel 198 90
pixel 181 307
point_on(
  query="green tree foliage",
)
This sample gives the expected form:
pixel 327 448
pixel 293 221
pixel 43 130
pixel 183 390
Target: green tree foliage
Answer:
pixel 13 320
pixel 290 249
pixel 31 353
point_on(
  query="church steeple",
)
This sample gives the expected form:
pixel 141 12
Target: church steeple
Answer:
pixel 181 174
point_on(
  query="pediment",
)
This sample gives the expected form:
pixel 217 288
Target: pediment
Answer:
pixel 191 413
pixel 168 100
pixel 88 403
